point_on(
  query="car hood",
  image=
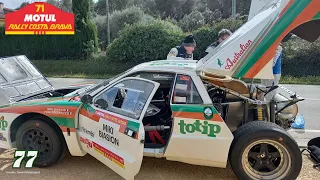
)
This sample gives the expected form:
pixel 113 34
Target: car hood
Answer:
pixel 19 78
pixel 44 102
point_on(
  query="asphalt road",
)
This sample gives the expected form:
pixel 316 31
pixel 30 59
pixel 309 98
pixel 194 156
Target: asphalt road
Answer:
pixel 88 167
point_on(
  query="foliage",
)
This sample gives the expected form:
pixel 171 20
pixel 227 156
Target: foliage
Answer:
pixel 114 5
pixel 145 42
pixel 65 5
pixel 209 34
pixel 84 25
pixel 192 21
pixel 129 16
pixel 301 58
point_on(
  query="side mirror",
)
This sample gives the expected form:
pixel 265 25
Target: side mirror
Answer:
pixel 86 99
pixel 101 103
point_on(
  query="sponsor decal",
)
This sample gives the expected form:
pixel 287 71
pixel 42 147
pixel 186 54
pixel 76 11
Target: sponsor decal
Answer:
pixel 40 18
pixel 220 63
pixel 3 123
pixel 108 154
pixel 86 141
pixel 107 134
pixel 237 55
pixel 87 131
pixel 168 63
pixel 184 78
pixel 2 138
pixel 208 114
pixel 203 127
pixel 112 118
pixel 56 111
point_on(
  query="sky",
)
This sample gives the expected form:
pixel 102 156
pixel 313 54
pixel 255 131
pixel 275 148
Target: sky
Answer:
pixel 12 4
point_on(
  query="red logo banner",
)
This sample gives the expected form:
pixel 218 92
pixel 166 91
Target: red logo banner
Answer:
pixel 40 18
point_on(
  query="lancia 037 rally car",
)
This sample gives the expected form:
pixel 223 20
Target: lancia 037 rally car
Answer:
pixel 196 112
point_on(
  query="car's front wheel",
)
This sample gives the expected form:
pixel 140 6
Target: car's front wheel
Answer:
pixel 263 150
pixel 37 135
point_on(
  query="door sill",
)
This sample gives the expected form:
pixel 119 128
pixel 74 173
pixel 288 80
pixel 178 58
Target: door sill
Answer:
pixel 153 152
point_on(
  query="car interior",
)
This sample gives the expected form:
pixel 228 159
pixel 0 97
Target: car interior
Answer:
pixel 159 111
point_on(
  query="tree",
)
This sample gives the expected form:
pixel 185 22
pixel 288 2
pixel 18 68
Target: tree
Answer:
pixel 86 29
pixel 100 6
pixel 170 8
pixel 22 5
pixel 65 5
pixel 192 21
pixel 187 7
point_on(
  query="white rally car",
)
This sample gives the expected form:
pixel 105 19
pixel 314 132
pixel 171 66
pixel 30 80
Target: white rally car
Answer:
pixel 197 112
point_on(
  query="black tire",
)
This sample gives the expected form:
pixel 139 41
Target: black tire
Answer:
pixel 280 141
pixel 49 143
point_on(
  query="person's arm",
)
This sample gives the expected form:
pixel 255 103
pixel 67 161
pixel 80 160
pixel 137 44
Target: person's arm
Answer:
pixel 277 54
pixel 172 54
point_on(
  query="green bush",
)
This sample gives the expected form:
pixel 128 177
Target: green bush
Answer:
pixel 42 47
pixel 301 58
pixel 129 16
pixel 208 34
pixel 145 42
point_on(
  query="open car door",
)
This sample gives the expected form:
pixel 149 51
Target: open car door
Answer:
pixel 111 129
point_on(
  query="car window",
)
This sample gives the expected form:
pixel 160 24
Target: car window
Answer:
pixel 185 92
pixel 165 79
pixel 127 97
pixel 27 64
pixel 11 70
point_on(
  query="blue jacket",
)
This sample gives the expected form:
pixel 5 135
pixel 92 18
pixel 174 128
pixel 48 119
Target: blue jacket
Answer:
pixel 277 66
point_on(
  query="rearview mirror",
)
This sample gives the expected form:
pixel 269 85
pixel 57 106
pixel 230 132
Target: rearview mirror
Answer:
pixel 86 99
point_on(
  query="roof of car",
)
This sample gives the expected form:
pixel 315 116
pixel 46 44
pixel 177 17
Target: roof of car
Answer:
pixel 168 65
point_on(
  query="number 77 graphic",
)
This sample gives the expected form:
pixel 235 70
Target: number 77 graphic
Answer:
pixel 21 155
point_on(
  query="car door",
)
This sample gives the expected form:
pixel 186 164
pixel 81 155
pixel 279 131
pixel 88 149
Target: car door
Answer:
pixel 111 128
pixel 199 134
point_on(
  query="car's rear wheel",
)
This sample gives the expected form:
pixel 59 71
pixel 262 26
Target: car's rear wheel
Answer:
pixel 263 150
pixel 38 135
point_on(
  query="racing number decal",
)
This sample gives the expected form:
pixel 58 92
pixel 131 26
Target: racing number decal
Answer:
pixel 20 155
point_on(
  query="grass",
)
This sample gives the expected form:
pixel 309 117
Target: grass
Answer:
pixel 100 68
pixel 310 80
pixel 97 68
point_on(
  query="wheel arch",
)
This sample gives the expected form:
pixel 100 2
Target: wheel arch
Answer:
pixel 27 116
pixel 70 138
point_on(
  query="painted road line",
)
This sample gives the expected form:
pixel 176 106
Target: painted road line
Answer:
pixel 304 130
pixel 312 99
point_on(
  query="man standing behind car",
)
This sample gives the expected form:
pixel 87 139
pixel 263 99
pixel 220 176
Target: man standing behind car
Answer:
pixel 276 73
pixel 222 35
pixel 184 51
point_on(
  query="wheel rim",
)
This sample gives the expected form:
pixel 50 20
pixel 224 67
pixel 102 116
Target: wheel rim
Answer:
pixel 266 159
pixel 38 140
